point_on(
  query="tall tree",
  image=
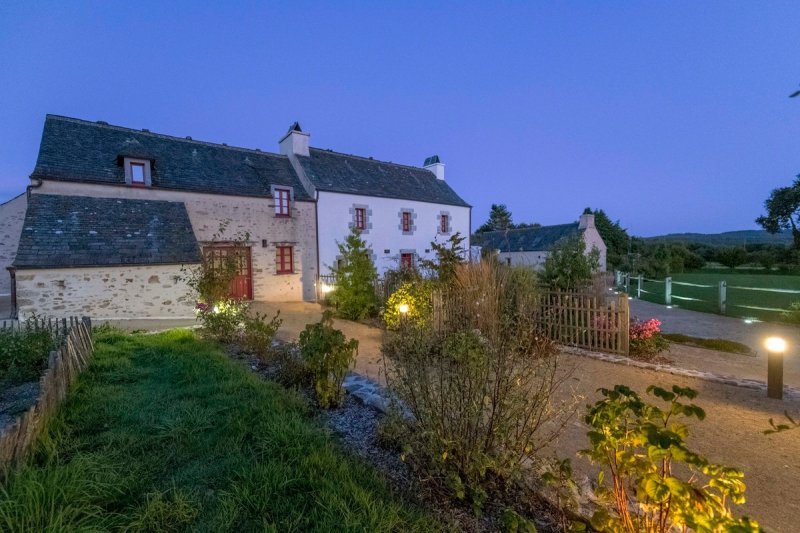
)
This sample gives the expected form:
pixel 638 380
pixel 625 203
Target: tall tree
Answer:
pixel 783 211
pixel 614 235
pixel 499 219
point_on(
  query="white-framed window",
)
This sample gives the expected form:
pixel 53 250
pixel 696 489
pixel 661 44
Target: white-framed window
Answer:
pixel 137 172
pixel 282 202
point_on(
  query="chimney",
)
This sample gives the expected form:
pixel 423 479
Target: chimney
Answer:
pixel 586 221
pixel 295 142
pixel 434 165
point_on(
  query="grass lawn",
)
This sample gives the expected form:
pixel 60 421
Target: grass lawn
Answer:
pixel 163 432
pixel 740 301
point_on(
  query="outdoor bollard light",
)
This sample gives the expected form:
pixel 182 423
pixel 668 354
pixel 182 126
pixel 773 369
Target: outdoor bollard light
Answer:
pixel 403 308
pixel 775 350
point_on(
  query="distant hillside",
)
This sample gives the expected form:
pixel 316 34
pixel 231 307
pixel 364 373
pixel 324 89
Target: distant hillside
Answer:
pixel 728 238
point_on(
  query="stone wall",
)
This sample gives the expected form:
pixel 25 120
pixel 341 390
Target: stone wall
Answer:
pixel 242 215
pixel 104 292
pixel 12 216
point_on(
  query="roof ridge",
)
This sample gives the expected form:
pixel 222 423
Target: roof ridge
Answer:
pixel 106 125
pixel 530 228
pixel 329 151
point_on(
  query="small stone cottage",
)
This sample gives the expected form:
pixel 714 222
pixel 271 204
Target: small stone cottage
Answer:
pixel 531 246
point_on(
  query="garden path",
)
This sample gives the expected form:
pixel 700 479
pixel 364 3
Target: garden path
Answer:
pixel 724 327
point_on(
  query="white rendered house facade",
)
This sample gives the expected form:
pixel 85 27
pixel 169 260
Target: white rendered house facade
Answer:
pixel 398 209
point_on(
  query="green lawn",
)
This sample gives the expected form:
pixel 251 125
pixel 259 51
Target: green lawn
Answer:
pixel 163 432
pixel 741 302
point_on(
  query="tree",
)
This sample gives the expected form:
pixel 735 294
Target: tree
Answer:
pixel 449 255
pixel 499 219
pixel 569 266
pixel 354 295
pixel 783 211
pixel 732 257
pixel 614 235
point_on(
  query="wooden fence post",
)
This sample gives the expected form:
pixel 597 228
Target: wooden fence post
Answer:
pixel 668 291
pixel 723 297
pixel 625 324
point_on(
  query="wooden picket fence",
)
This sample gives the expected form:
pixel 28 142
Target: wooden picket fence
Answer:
pixel 574 318
pixel 585 320
pixel 64 365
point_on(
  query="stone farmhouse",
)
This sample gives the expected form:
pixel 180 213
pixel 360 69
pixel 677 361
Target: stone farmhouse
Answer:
pixel 531 246
pixel 114 215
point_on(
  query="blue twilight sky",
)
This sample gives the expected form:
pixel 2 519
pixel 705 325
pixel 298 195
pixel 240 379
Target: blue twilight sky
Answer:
pixel 671 116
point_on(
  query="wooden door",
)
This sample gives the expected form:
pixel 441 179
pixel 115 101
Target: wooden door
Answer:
pixel 241 287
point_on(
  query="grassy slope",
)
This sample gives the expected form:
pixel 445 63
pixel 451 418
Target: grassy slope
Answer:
pixel 736 297
pixel 163 432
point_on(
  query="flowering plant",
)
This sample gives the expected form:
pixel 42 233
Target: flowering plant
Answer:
pixel 645 337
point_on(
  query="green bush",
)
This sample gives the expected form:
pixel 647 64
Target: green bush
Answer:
pixel 792 315
pixel 417 296
pixel 224 320
pixel 328 354
pixel 658 484
pixel 568 266
pixel 24 354
pixel 354 292
pixel 259 333
pixel 291 369
pixel 479 386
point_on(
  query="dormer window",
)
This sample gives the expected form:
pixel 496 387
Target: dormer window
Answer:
pixel 137 172
pixel 282 197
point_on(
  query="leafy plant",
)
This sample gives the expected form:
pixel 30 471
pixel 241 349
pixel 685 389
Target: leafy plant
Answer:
pixel 259 333
pixel 24 352
pixel 569 266
pixel 646 339
pixel 779 428
pixel 792 315
pixel 328 354
pixel 783 211
pixel 479 385
pixel 448 255
pixel 657 483
pixel 416 297
pixel 224 320
pixel 354 295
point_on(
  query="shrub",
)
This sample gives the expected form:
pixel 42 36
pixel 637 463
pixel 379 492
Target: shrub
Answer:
pixel 24 353
pixel 224 320
pixel 448 255
pixel 792 315
pixel 259 333
pixel 657 483
pixel 417 296
pixel 646 339
pixel 478 386
pixel 568 266
pixel 354 293
pixel 328 354
pixel 291 370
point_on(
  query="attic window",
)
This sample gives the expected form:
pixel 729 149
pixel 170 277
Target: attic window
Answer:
pixel 137 172
pixel 282 197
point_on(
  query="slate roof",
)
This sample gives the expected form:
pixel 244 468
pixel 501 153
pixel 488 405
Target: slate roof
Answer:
pixel 526 239
pixel 77 231
pixel 80 150
pixel 337 172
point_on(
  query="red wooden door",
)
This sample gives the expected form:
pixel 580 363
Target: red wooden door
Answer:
pixel 241 287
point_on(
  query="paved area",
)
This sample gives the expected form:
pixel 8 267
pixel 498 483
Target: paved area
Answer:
pixel 722 327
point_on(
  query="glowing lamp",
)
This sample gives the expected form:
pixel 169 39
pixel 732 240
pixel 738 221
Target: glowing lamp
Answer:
pixel 775 345
pixel 403 308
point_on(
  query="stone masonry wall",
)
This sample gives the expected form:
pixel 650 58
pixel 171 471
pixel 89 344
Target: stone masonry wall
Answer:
pixel 104 292
pixel 255 216
pixel 12 216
